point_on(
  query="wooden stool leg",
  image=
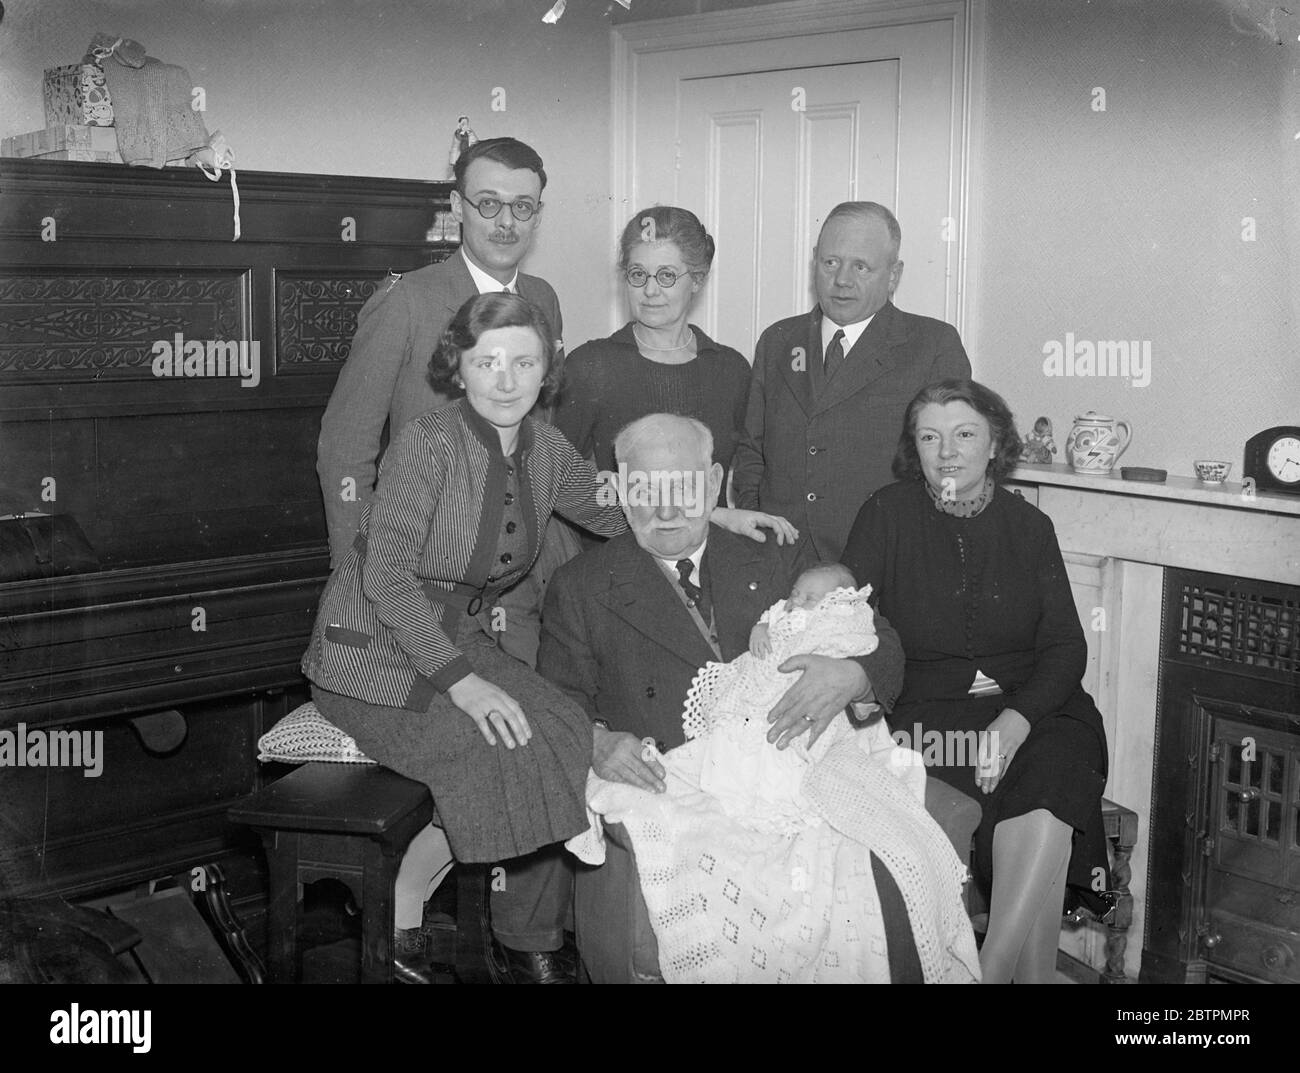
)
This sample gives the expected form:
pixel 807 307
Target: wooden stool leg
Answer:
pixel 282 910
pixel 378 904
pixel 1121 916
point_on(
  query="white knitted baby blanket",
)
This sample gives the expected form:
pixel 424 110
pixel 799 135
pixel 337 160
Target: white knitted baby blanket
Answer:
pixel 732 904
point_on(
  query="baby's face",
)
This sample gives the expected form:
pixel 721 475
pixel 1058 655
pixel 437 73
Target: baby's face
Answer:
pixel 809 591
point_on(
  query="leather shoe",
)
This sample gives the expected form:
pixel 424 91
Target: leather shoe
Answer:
pixel 538 966
pixel 412 963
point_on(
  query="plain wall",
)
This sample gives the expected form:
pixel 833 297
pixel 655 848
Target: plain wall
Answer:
pixel 1127 224
pixel 1124 224
pixel 373 87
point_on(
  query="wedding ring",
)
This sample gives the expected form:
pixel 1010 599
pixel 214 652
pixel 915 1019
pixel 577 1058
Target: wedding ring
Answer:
pixel 1002 756
pixel 809 718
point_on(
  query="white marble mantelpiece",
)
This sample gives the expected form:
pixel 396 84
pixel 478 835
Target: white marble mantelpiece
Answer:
pixel 1229 494
pixel 1182 522
pixel 1117 537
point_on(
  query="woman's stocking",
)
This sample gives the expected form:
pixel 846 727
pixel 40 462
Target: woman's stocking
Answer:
pixel 423 867
pixel 1030 856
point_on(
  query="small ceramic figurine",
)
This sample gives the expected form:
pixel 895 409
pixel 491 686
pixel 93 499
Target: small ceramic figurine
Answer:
pixel 461 139
pixel 1039 445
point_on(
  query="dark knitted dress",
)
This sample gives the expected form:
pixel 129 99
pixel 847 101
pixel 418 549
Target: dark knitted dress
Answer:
pixel 990 593
pixel 608 383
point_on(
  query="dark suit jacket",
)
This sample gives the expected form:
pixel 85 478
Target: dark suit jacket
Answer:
pixel 385 380
pixel 814 448
pixel 619 641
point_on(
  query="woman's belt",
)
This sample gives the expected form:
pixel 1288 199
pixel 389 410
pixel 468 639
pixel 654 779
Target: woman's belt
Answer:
pixel 457 595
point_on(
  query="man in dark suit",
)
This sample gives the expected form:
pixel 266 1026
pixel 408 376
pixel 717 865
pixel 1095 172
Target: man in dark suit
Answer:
pixel 830 388
pixel 384 384
pixel 623 634
pixel 627 625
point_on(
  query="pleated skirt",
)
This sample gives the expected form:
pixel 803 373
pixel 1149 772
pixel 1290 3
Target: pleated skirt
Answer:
pixel 493 802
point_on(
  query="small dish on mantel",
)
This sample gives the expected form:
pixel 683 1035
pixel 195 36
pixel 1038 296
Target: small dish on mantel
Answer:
pixel 1211 472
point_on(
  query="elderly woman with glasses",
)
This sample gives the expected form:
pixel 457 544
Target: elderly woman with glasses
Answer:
pixel 657 362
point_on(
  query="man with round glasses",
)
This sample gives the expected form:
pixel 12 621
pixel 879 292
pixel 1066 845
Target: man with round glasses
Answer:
pixel 383 385
pixel 490 208
pixel 384 382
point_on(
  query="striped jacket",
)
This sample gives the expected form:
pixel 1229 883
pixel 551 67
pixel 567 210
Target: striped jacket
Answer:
pixel 426 551
pixel 386 379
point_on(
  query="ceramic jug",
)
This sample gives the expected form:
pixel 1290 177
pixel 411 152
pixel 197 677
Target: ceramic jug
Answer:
pixel 1096 442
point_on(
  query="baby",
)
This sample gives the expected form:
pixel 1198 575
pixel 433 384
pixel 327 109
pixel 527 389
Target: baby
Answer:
pixel 728 704
pixel 810 588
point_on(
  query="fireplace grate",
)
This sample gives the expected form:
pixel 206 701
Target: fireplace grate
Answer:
pixel 1224 848
pixel 1248 623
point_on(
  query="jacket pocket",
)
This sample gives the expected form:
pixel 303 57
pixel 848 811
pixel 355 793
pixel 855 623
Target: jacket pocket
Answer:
pixel 341 635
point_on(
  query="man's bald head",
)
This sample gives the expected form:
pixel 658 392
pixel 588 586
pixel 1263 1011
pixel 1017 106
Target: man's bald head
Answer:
pixel 669 482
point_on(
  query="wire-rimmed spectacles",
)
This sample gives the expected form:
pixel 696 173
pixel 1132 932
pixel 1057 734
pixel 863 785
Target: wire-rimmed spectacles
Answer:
pixel 666 277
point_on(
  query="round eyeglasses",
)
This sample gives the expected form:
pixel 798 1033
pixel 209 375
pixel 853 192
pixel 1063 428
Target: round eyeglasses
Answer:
pixel 490 207
pixel 666 277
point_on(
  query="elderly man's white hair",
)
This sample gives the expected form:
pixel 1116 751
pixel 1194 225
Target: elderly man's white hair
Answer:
pixel 656 427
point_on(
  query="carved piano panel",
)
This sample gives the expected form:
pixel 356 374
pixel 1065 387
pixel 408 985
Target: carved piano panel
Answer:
pixel 69 326
pixel 316 316
pixel 198 493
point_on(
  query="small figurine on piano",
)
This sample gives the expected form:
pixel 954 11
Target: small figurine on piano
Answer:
pixel 461 139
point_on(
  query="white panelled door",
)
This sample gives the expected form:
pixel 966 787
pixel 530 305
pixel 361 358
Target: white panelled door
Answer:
pixel 762 138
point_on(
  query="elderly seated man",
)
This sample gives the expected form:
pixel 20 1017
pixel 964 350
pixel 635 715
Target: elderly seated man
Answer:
pixel 626 628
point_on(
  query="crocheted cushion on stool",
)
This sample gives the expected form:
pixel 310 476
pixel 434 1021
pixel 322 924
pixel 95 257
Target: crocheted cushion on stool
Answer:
pixel 304 734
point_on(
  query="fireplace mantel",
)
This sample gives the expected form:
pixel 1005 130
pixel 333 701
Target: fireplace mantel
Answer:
pixel 1182 522
pixel 1118 537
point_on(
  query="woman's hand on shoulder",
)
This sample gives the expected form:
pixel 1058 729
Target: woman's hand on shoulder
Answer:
pixel 997 748
pixel 751 523
pixel 491 707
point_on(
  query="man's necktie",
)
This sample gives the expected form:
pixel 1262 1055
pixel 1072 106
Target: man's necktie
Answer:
pixel 507 289
pixel 684 570
pixel 834 353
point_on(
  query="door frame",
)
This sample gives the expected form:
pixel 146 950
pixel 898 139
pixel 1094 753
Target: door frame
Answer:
pixel 806 18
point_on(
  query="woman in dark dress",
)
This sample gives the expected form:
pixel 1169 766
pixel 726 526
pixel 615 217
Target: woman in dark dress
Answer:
pixel 657 362
pixel 971 577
